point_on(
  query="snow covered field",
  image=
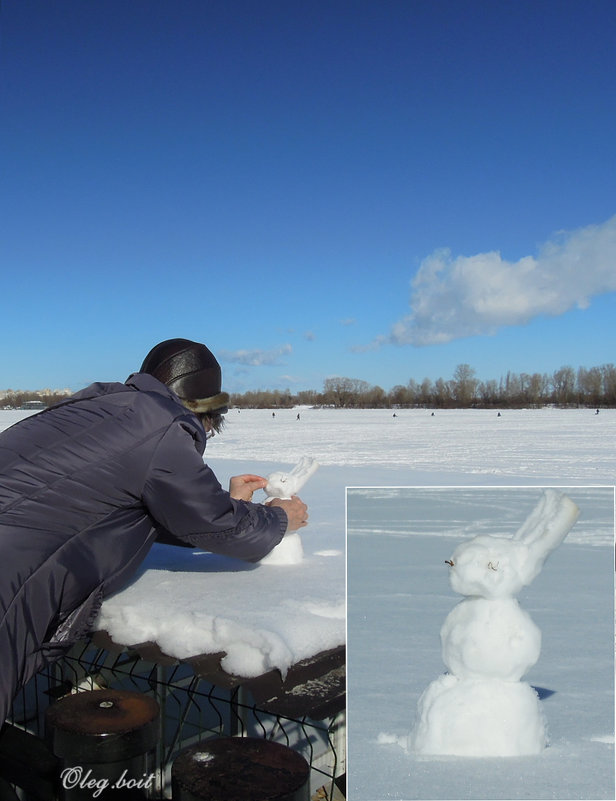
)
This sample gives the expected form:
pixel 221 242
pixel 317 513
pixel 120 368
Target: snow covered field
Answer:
pixel 470 446
pixel 398 599
pixel 399 595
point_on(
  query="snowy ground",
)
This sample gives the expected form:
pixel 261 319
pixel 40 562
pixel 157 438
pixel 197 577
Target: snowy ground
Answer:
pixel 191 600
pixel 398 598
pixel 471 446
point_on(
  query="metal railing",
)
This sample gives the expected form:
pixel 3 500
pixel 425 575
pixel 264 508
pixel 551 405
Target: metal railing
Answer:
pixel 192 710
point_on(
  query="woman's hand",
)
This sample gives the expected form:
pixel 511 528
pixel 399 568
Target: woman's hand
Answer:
pixel 296 511
pixel 242 487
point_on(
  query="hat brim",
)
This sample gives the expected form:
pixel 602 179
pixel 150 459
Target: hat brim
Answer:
pixel 217 403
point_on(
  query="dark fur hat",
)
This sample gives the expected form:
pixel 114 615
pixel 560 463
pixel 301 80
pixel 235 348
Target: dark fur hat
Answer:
pixel 191 371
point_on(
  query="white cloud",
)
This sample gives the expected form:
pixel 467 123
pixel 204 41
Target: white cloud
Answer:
pixel 256 358
pixel 471 295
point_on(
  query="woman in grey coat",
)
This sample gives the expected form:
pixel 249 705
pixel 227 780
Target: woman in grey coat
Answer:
pixel 89 484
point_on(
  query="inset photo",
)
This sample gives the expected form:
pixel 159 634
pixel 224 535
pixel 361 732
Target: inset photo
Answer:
pixel 480 649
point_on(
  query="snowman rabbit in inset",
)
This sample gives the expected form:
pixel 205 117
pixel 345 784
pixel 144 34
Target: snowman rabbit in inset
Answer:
pixel 480 707
pixel 289 550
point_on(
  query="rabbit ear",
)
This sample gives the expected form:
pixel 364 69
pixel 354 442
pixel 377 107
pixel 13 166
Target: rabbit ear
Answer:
pixel 303 470
pixel 299 467
pixel 545 528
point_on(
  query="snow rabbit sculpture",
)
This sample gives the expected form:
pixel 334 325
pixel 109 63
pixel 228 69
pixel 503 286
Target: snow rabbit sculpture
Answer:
pixel 289 550
pixel 480 708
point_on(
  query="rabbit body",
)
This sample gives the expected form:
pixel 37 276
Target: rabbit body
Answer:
pixel 488 643
pixel 494 638
pixel 289 551
pixel 478 718
pixel 284 485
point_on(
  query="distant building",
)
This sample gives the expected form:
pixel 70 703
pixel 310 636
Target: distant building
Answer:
pixel 33 405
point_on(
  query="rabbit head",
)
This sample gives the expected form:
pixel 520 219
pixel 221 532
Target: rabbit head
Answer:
pixel 498 567
pixel 488 567
pixel 278 485
pixel 285 485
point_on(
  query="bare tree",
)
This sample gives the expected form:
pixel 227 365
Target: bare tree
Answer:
pixel 442 394
pixel 563 382
pixel 464 384
pixel 489 392
pixel 589 385
pixel 609 384
pixel 427 392
pixel 400 396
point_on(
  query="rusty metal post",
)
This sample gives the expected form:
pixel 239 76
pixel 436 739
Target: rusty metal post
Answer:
pixel 104 740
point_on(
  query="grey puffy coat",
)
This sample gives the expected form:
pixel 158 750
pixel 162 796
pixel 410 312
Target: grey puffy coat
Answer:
pixel 86 487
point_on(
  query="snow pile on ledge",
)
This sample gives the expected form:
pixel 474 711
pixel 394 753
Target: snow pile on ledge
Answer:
pixel 204 604
pixel 191 602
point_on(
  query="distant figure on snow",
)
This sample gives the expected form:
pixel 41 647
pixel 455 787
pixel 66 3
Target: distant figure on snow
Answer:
pixel 86 487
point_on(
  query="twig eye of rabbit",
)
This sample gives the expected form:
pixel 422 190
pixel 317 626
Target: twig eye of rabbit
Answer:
pixel 491 565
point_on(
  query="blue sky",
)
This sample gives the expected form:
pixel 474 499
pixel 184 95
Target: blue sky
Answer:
pixel 380 190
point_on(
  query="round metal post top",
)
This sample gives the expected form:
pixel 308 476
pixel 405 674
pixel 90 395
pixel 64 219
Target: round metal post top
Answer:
pixel 240 769
pixel 102 725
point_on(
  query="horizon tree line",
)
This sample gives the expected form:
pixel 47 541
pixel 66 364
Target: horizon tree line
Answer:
pixel 588 387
